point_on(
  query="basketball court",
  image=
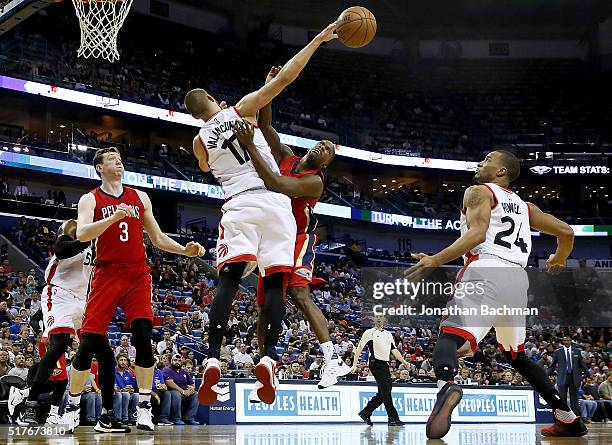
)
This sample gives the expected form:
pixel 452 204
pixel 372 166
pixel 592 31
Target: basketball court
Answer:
pixel 354 434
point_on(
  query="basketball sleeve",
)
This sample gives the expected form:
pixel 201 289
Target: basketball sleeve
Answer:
pixel 66 247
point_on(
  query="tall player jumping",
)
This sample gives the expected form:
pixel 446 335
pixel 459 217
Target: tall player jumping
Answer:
pixel 257 226
pixel 495 242
pixel 64 296
pixel 302 180
pixel 114 217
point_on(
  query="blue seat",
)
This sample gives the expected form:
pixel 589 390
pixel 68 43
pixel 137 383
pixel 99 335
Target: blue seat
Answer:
pixel 165 312
pixel 113 328
pixel 196 333
pixel 179 314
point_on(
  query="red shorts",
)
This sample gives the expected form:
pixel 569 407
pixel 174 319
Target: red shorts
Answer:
pixel 124 286
pixel 303 266
pixel 59 373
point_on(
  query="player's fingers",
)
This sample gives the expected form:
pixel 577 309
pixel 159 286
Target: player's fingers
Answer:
pixel 418 256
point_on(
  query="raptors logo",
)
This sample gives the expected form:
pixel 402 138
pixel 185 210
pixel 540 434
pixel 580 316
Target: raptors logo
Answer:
pixel 222 250
pixel 50 321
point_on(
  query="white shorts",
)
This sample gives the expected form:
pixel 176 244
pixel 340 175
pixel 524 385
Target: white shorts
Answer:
pixel 62 310
pixel 495 284
pixel 257 227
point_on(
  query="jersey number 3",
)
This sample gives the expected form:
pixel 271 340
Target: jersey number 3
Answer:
pixel 125 235
pixel 518 242
pixel 234 146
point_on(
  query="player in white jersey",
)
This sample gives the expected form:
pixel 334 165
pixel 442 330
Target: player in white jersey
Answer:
pixel 257 226
pixel 63 302
pixel 495 242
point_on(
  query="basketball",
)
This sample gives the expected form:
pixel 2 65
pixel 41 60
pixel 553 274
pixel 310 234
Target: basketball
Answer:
pixel 356 26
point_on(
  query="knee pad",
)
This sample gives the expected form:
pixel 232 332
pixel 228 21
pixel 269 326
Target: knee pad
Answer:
pixel 91 344
pixel 142 329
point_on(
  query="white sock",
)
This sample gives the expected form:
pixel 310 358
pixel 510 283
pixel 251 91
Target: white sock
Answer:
pixel 565 416
pixel 25 392
pixel 54 410
pixel 74 400
pixel 144 395
pixel 328 350
pixel 441 383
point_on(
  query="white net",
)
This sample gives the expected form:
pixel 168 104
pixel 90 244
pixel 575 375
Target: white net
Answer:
pixel 100 21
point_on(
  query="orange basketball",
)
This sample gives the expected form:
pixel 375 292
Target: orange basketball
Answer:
pixel 356 26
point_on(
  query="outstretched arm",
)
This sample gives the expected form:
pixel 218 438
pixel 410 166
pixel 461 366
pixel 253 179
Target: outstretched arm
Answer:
pixel 307 185
pixel 546 223
pixel 264 120
pixel 253 102
pixel 159 239
pixel 477 202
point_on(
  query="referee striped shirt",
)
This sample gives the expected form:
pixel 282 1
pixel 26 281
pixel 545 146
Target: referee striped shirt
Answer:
pixel 379 343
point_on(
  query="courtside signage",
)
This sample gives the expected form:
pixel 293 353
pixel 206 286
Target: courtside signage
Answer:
pixel 297 403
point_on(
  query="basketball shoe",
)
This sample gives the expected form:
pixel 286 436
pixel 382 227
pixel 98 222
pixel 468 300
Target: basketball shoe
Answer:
pixel 575 428
pixel 439 421
pixel 71 417
pixel 332 372
pixel 212 374
pixel 265 372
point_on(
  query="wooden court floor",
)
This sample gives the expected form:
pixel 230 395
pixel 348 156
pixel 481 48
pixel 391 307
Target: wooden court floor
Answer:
pixel 322 434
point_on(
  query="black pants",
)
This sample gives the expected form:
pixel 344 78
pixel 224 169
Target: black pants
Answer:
pixel 380 371
pixel 573 392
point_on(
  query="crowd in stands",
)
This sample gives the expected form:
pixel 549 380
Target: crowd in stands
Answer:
pixel 182 296
pixel 447 109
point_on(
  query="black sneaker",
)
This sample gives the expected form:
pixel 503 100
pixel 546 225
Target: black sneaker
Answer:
pixel 27 416
pixel 365 418
pixel 107 423
pixel 396 423
pixel 439 421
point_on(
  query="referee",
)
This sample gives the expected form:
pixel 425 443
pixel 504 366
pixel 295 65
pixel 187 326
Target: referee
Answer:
pixel 380 344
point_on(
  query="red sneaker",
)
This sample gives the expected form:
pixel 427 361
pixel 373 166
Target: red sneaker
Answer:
pixel 576 428
pixel 265 374
pixel 212 374
pixel 439 421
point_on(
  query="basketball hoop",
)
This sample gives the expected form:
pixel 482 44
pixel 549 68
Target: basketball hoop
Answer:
pixel 100 21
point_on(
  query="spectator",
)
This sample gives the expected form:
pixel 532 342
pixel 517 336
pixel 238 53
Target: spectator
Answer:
pixel 241 356
pixel 22 189
pixel 184 327
pixel 161 397
pixel 182 392
pixel 166 343
pixel 5 366
pixel 126 396
pixel 20 369
pixel 126 348
pixel 5 315
pixel 404 376
pixel 605 389
pixel 91 399
pixel 295 371
pixel 588 405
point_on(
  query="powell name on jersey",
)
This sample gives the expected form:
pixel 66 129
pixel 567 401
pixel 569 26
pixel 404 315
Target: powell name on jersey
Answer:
pixel 509 234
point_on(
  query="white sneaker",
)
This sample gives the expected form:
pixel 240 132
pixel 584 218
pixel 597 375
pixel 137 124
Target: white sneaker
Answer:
pixel 265 374
pixel 253 397
pixel 145 418
pixel 53 419
pixel 16 396
pixel 332 372
pixel 71 417
pixel 211 376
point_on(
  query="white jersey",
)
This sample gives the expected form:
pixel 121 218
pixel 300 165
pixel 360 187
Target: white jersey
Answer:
pixel 71 274
pixel 509 234
pixel 228 161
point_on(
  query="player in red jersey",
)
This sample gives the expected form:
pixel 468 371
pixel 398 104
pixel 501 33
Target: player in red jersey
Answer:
pixel 114 217
pixel 301 180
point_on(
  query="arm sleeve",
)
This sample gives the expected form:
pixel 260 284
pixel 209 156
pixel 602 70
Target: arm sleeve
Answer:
pixel 393 346
pixel 35 321
pixel 66 247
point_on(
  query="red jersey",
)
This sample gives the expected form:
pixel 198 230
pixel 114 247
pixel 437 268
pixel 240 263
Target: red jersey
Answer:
pixel 123 242
pixel 303 206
